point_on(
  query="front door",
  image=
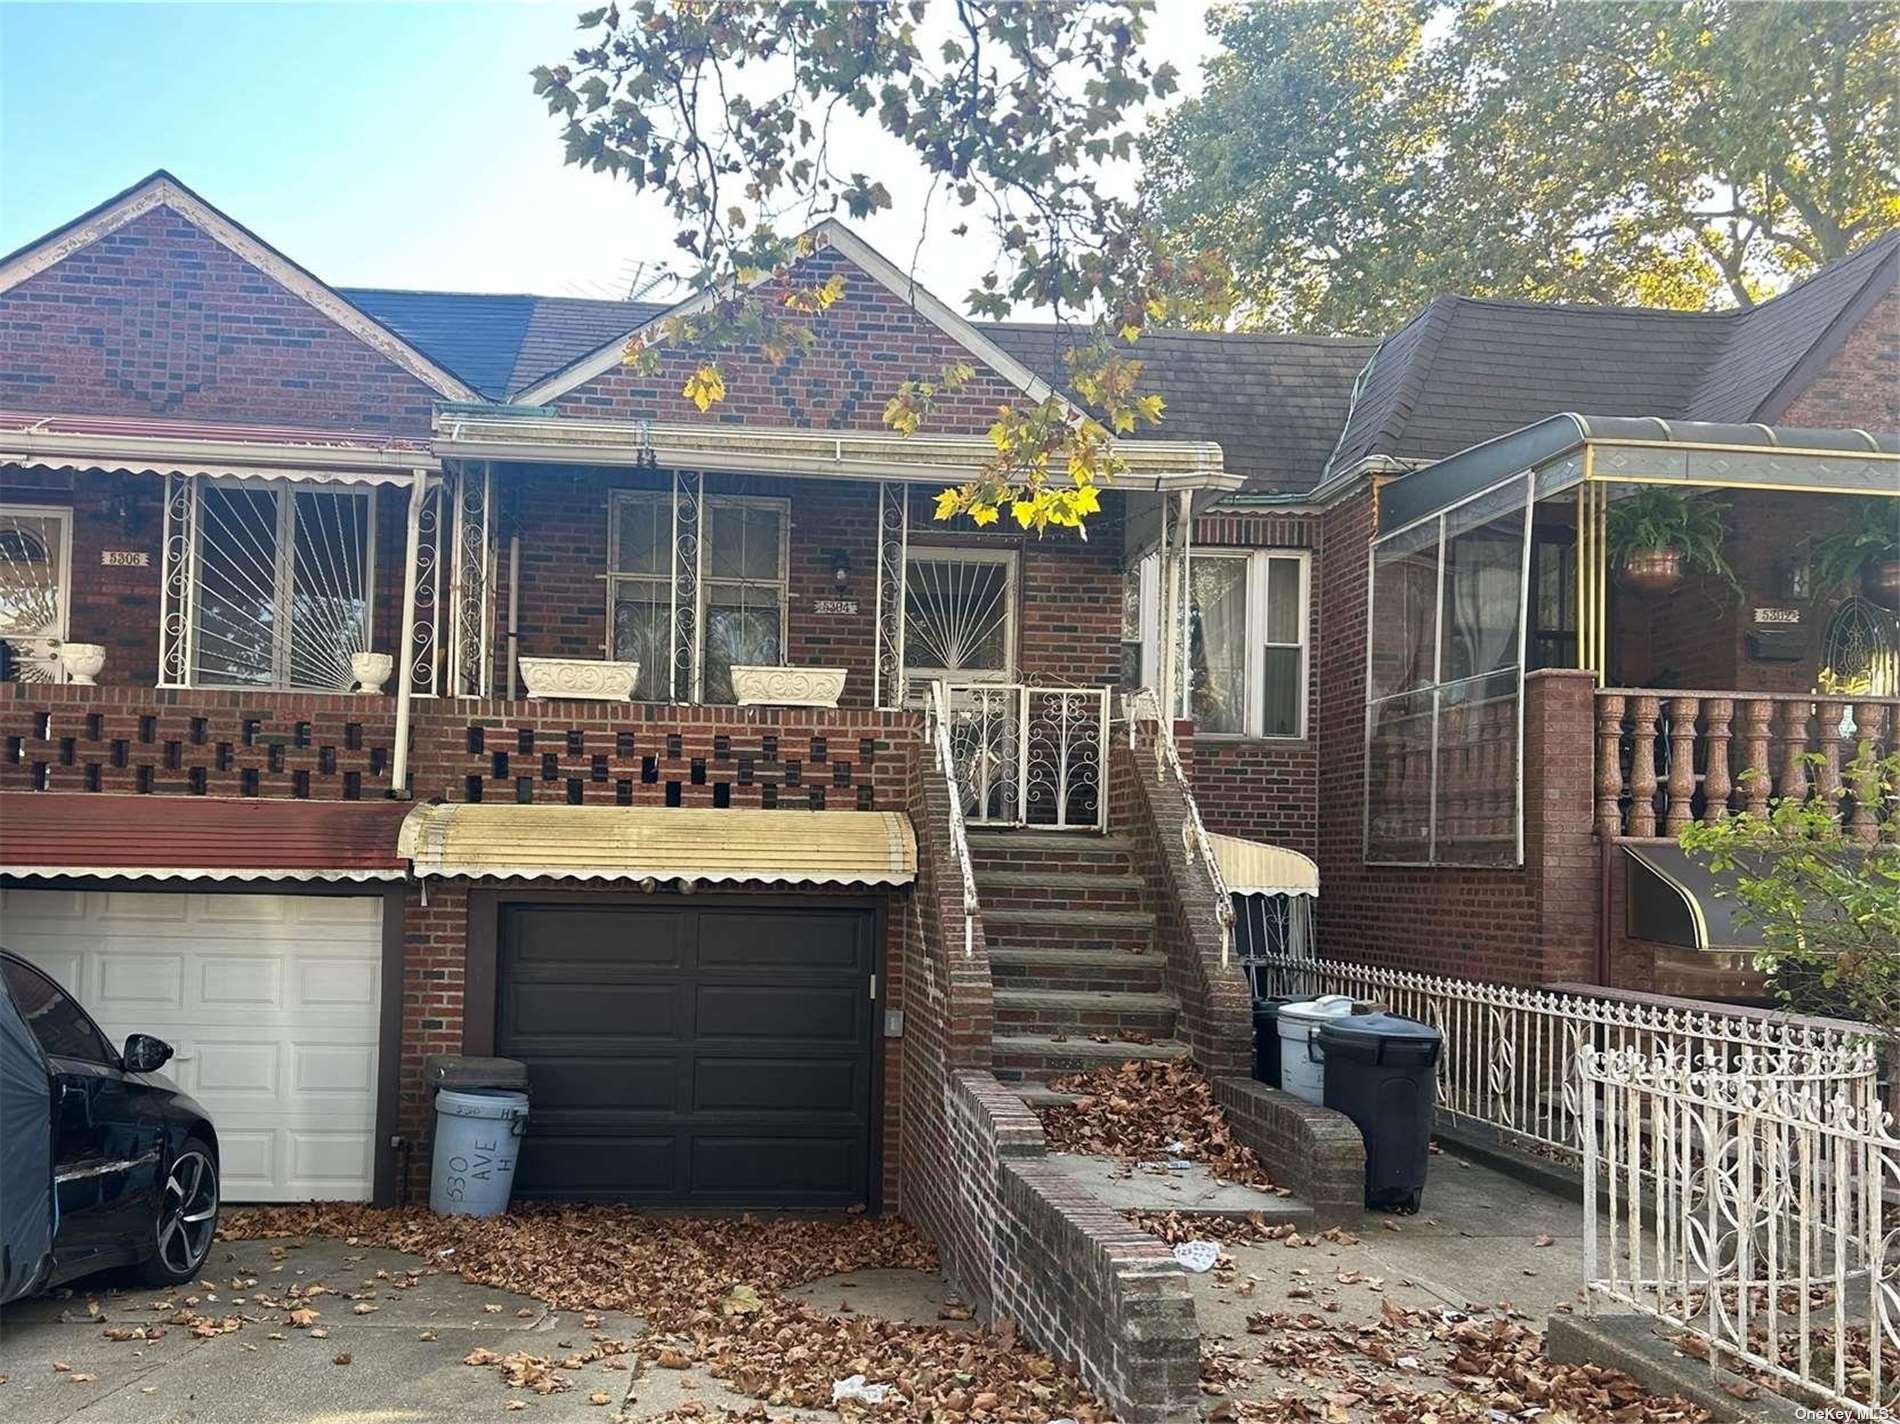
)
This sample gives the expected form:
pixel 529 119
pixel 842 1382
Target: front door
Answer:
pixel 959 617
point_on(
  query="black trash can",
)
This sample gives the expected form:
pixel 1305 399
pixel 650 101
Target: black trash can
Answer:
pixel 1379 1073
pixel 1266 1038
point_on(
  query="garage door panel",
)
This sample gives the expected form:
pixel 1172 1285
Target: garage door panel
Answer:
pixel 556 1013
pixel 575 1165
pixel 795 1085
pixel 763 1165
pixel 735 1075
pixel 749 939
pixel 815 1013
pixel 275 1016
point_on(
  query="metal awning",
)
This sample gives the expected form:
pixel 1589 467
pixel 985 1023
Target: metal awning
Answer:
pixel 1255 868
pixel 1675 899
pixel 116 837
pixel 217 448
pixel 1566 450
pixel 660 843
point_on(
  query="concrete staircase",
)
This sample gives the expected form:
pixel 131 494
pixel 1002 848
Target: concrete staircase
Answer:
pixel 1073 956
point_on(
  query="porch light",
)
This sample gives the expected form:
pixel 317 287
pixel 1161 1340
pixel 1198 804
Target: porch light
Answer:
pixel 840 570
pixel 1794 579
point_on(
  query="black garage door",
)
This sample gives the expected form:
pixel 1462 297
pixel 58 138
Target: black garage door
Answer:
pixel 706 1057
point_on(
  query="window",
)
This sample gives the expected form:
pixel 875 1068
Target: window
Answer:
pixel 35 573
pixel 281 594
pixel 57 1022
pixel 960 615
pixel 1553 633
pixel 742 589
pixel 1445 683
pixel 1247 617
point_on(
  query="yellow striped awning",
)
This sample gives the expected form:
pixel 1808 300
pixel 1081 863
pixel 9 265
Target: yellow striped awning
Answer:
pixel 660 843
pixel 1254 868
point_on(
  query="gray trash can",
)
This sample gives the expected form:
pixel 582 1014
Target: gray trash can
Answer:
pixel 481 1112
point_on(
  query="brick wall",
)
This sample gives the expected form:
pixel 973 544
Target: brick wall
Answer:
pixel 1859 387
pixel 158 319
pixel 1315 1152
pixel 1080 1281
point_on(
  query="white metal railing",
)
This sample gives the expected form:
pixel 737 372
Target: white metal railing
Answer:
pixel 1510 1052
pixel 937 715
pixel 1144 705
pixel 1029 756
pixel 1754 1206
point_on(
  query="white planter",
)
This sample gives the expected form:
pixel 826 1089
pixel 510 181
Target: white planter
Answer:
pixel 82 662
pixel 579 677
pixel 371 671
pixel 755 684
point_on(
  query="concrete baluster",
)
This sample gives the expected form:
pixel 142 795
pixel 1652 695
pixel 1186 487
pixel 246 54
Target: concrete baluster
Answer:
pixel 1716 784
pixel 1677 813
pixel 1643 766
pixel 1609 764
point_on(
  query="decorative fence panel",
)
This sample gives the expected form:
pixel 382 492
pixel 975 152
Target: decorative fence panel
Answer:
pixel 1510 1053
pixel 1030 756
pixel 1755 1207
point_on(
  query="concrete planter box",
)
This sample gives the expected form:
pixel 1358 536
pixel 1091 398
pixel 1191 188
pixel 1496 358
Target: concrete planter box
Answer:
pixel 579 677
pixel 755 685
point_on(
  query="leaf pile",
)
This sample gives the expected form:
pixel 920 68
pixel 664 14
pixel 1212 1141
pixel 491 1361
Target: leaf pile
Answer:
pixel 1143 1109
pixel 683 1276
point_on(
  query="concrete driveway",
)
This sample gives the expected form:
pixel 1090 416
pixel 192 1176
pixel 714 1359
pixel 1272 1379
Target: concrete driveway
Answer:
pixel 405 1356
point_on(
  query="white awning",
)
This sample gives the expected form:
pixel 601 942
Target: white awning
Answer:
pixel 1254 868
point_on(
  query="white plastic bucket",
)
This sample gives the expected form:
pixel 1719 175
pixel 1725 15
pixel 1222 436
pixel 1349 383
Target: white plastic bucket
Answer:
pixel 477 1139
pixel 1302 1072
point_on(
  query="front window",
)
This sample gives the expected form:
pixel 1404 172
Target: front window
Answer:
pixel 282 580
pixel 741 608
pixel 960 615
pixel 1445 684
pixel 35 556
pixel 1247 643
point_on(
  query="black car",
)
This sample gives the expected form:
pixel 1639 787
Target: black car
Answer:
pixel 106 1162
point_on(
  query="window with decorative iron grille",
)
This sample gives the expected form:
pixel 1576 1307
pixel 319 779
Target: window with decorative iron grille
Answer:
pixel 35 585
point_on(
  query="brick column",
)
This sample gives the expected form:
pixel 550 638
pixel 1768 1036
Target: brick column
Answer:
pixel 1561 856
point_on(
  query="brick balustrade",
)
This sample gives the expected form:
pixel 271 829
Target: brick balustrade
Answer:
pixel 1666 758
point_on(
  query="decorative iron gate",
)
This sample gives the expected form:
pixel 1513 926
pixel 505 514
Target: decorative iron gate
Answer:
pixel 1030 756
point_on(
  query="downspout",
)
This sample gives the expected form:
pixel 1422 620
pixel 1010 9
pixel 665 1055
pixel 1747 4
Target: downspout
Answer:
pixel 405 661
pixel 514 609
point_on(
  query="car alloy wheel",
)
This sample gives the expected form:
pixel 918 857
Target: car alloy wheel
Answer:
pixel 189 1213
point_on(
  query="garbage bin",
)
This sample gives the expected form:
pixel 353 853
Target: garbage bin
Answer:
pixel 1266 1039
pixel 1379 1070
pixel 1300 1064
pixel 481 1112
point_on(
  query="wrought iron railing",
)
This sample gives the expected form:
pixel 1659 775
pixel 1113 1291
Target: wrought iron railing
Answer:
pixel 1028 755
pixel 1510 1053
pixel 937 714
pixel 1754 1207
pixel 1140 708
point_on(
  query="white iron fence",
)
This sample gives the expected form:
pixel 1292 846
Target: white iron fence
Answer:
pixel 1510 1053
pixel 1030 756
pixel 1756 1205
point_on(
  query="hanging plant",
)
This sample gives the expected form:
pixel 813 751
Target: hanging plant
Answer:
pixel 1867 550
pixel 1656 535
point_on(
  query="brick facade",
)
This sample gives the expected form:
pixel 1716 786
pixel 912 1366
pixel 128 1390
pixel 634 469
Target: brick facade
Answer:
pixel 158 319
pixel 1859 386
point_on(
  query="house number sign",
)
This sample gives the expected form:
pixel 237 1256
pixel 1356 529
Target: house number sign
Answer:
pixel 838 607
pixel 125 559
pixel 1781 616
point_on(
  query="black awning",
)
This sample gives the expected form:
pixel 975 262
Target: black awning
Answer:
pixel 1675 899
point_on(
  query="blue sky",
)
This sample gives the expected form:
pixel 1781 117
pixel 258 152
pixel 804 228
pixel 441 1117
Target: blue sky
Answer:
pixel 376 144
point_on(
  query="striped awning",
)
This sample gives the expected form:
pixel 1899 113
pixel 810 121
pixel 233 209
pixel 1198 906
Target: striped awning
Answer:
pixel 1255 868
pixel 660 843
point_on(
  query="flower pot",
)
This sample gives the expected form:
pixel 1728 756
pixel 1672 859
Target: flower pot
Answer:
pixel 1880 581
pixel 755 684
pixel 82 662
pixel 1652 571
pixel 371 671
pixel 579 677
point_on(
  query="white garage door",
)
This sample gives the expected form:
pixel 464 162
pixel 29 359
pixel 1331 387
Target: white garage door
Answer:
pixel 271 1001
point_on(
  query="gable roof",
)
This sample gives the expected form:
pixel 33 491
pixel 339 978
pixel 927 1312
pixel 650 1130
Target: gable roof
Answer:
pixel 868 260
pixel 1465 369
pixel 161 190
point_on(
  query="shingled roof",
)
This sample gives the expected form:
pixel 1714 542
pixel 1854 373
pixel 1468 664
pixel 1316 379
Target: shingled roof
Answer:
pixel 1465 370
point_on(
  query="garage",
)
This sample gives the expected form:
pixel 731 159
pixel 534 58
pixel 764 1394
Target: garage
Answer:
pixel 689 1053
pixel 272 1001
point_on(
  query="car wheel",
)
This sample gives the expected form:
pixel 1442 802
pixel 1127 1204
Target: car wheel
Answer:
pixel 187 1216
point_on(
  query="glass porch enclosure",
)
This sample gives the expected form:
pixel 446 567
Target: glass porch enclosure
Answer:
pixel 1493 563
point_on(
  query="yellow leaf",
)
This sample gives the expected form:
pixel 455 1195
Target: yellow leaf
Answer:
pixel 705 387
pixel 1025 510
pixel 946 504
pixel 983 513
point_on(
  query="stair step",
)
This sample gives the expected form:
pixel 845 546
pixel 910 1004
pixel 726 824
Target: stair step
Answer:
pixel 1019 1058
pixel 1049 850
pixel 1041 1095
pixel 1038 1010
pixel 1123 931
pixel 1084 967
pixel 1059 890
pixel 1078 919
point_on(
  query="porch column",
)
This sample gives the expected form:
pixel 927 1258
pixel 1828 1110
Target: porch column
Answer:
pixel 893 563
pixel 406 665
pixel 178 582
pixel 471 583
pixel 1175 630
pixel 688 503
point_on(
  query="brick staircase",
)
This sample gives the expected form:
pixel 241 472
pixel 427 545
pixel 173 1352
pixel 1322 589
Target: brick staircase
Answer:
pixel 1072 954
